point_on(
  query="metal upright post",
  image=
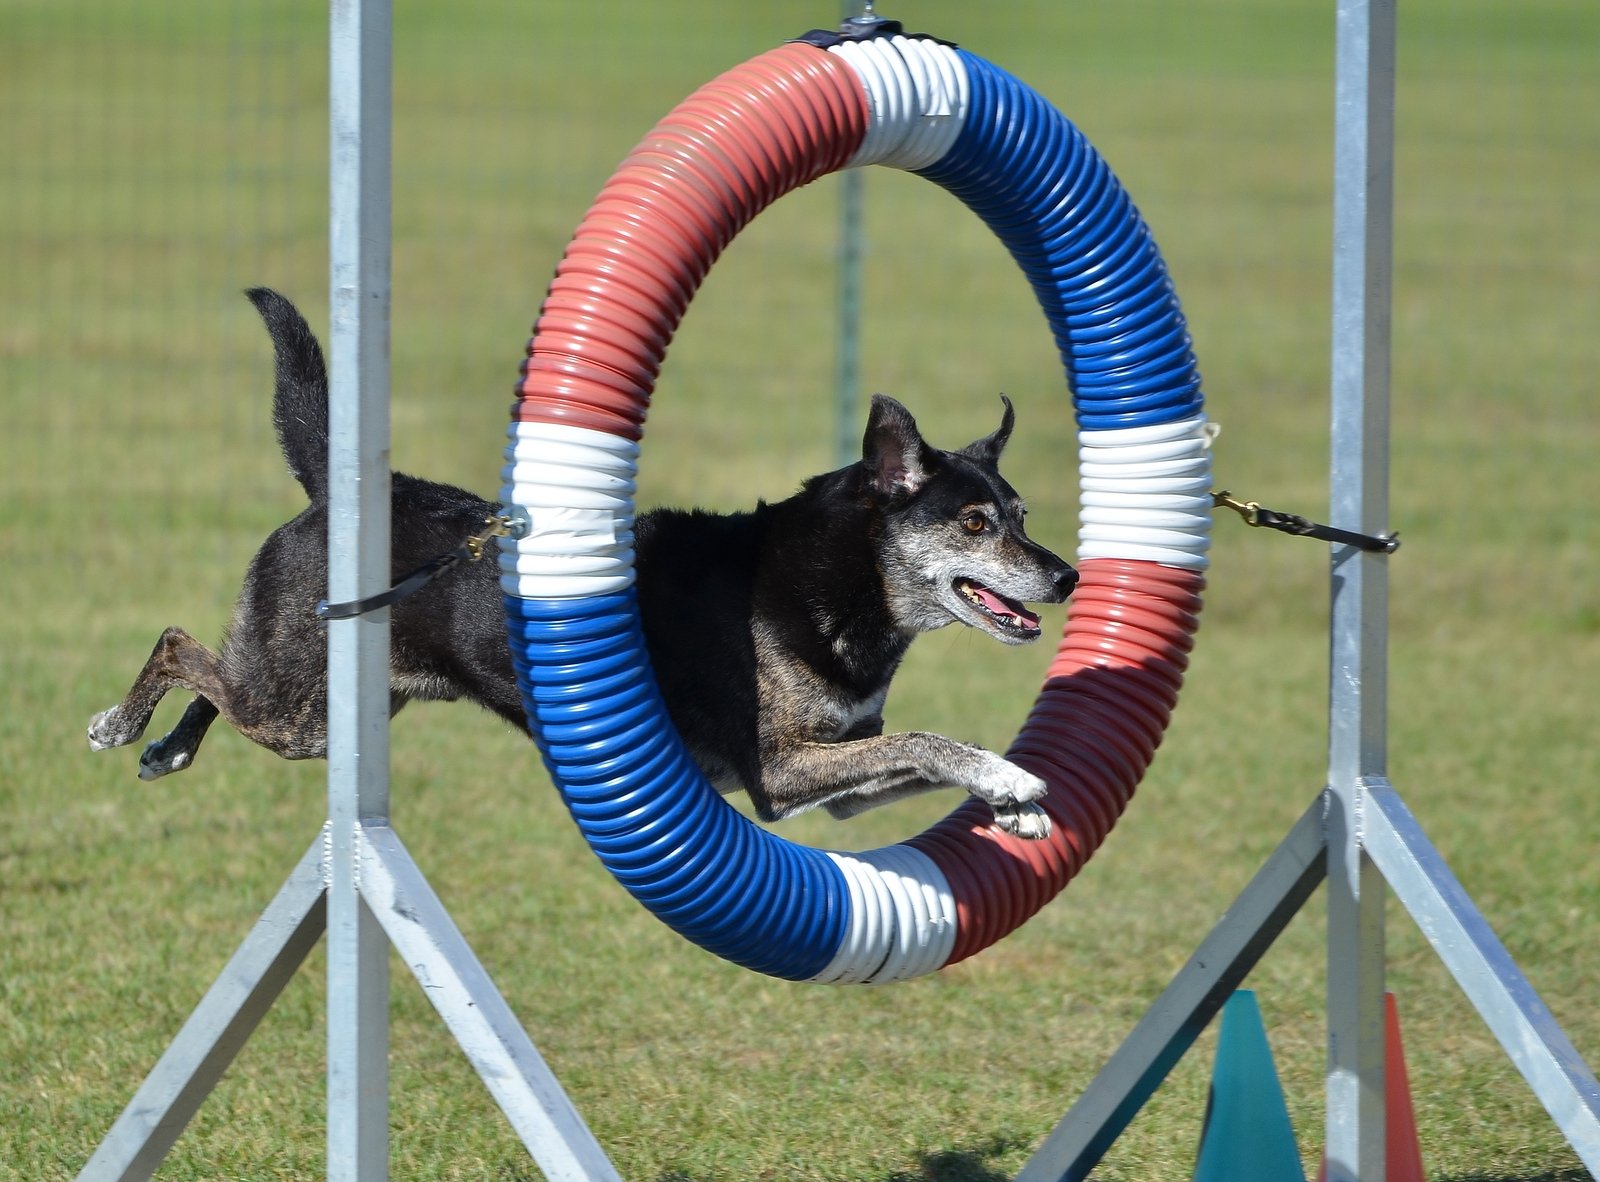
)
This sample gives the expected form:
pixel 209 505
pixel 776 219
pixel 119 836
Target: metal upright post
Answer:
pixel 1358 698
pixel 847 361
pixel 360 39
pixel 356 882
pixel 847 355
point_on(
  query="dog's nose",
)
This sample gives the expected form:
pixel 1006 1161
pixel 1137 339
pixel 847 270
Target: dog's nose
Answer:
pixel 1066 580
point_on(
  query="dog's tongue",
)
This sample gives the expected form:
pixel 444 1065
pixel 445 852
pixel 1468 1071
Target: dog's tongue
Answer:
pixel 1005 607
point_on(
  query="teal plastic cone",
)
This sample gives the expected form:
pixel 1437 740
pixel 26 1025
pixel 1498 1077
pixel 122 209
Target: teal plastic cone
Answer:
pixel 1247 1136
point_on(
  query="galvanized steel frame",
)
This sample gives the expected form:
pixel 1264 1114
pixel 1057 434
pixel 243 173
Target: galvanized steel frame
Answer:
pixel 1357 835
pixel 358 884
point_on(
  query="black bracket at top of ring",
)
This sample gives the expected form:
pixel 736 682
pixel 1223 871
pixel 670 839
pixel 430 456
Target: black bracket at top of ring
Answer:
pixel 862 29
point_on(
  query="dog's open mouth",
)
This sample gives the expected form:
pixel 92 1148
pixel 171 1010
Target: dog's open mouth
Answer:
pixel 1004 616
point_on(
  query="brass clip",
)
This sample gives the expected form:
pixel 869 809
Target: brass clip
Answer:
pixel 497 526
pixel 1249 510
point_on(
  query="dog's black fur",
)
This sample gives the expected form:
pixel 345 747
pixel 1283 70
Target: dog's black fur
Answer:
pixel 773 633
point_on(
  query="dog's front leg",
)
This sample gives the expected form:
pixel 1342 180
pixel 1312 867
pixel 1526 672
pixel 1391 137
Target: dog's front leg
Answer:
pixel 854 776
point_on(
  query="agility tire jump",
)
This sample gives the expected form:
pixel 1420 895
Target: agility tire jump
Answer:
pixel 810 107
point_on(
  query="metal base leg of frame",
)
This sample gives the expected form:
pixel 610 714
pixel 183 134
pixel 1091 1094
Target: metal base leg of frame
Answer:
pixel 451 977
pixel 1483 968
pixel 1221 963
pixel 483 1024
pixel 1424 884
pixel 225 1018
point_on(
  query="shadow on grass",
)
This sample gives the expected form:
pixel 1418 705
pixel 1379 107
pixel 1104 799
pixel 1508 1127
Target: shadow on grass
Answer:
pixel 945 1165
pixel 959 1165
pixel 976 1165
pixel 1572 1174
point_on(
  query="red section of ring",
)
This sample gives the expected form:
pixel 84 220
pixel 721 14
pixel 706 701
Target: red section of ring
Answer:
pixel 1091 734
pixel 723 155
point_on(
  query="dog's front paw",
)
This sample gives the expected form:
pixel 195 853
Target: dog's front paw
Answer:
pixel 1004 783
pixel 107 730
pixel 1027 821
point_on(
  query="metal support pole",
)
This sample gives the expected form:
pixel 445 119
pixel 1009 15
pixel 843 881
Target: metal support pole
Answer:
pixel 357 876
pixel 847 357
pixel 847 362
pixel 1358 683
pixel 360 40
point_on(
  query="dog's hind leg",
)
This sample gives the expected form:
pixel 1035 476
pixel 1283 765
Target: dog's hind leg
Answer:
pixel 178 661
pixel 124 723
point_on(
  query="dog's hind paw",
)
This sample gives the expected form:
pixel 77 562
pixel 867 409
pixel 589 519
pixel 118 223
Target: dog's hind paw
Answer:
pixel 1027 821
pixel 106 730
pixel 158 760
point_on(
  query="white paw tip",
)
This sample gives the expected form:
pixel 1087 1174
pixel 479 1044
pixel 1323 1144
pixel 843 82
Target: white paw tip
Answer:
pixel 1027 821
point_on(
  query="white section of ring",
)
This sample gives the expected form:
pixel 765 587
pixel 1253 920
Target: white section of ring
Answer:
pixel 1185 502
pixel 1146 493
pixel 902 917
pixel 917 90
pixel 1183 466
pixel 1188 523
pixel 1173 486
pixel 1160 555
pixel 577 487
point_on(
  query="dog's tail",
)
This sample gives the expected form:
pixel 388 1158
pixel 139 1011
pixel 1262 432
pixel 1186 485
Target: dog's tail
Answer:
pixel 300 396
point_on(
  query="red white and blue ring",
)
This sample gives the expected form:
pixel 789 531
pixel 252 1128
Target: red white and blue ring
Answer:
pixel 764 128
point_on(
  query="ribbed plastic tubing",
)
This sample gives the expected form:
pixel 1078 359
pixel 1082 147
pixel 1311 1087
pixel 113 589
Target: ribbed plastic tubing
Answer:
pixel 740 142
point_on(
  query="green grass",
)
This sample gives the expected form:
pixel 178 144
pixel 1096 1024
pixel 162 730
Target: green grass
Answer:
pixel 159 158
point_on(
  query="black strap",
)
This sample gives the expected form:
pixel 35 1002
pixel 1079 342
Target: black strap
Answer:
pixel 499 526
pixel 864 29
pixel 1302 527
pixel 852 30
pixel 410 585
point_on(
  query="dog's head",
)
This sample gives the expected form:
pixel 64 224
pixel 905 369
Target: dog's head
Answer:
pixel 953 547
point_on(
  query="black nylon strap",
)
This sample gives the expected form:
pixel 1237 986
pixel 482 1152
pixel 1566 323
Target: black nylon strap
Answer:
pixel 1303 527
pixel 410 585
pixel 851 30
pixel 510 522
pixel 864 29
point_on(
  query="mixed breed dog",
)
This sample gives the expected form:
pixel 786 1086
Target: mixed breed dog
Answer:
pixel 773 633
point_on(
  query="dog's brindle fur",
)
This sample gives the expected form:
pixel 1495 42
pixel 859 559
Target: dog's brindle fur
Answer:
pixel 773 634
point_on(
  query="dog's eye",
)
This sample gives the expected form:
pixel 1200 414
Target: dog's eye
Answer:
pixel 974 522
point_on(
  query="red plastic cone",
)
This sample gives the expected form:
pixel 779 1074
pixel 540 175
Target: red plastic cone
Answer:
pixel 1402 1154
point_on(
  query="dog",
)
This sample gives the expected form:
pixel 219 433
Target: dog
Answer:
pixel 773 633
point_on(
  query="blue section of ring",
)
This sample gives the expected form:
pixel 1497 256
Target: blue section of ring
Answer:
pixel 645 808
pixel 1034 179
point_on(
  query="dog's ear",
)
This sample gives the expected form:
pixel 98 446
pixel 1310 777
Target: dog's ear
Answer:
pixel 987 450
pixel 897 460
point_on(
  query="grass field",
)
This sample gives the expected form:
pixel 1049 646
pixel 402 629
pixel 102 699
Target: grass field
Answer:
pixel 160 157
